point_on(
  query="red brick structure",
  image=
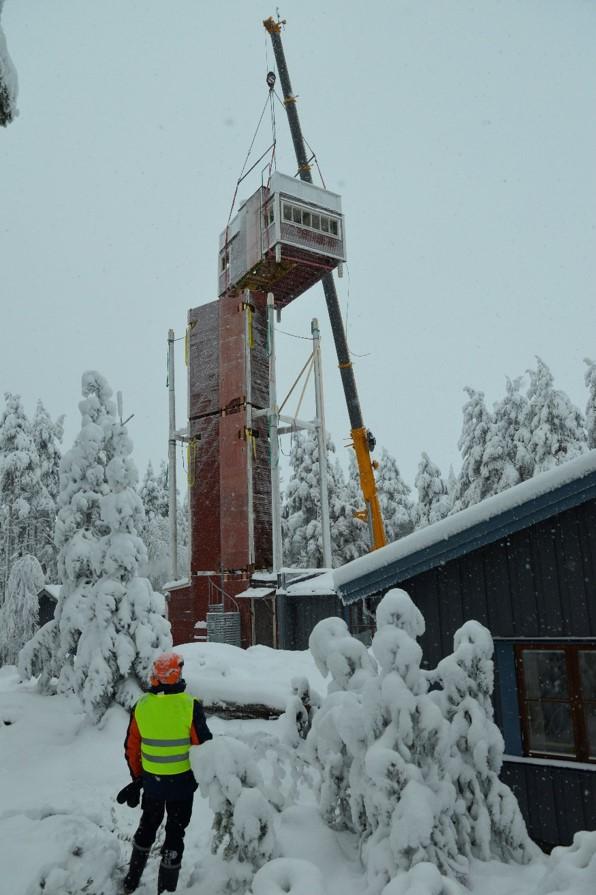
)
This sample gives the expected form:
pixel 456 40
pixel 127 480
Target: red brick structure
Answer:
pixel 229 466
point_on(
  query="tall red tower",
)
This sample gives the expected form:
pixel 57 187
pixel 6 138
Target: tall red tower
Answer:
pixel 283 240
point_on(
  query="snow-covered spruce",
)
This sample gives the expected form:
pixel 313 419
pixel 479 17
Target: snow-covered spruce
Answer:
pixel 511 418
pixel 8 81
pixel 301 522
pixel 154 531
pixel 337 653
pixel 242 832
pixel 47 437
pixel 433 498
pixel 393 757
pixel 394 497
pixel 486 468
pixel 491 824
pixel 555 425
pixel 20 486
pixel 20 610
pixel 590 380
pixel 51 653
pixel 300 711
pixel 109 624
pixel 127 624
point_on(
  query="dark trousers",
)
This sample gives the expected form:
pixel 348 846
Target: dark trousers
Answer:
pixel 179 812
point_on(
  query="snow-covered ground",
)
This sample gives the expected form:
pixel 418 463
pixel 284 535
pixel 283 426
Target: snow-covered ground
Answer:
pixel 62 832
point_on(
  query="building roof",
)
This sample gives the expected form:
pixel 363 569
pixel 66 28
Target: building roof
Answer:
pixel 256 593
pixel 541 497
pixel 314 582
pixel 52 590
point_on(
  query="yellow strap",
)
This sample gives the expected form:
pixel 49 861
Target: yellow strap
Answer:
pixel 189 328
pixel 191 457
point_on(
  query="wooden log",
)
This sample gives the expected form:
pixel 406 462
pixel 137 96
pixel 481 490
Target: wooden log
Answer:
pixel 236 711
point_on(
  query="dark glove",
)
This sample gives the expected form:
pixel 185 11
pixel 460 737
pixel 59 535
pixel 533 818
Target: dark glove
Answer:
pixel 131 794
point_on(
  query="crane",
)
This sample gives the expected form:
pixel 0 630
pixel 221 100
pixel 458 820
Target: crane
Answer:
pixel 362 439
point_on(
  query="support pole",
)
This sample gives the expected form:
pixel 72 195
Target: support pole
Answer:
pixel 277 543
pixel 172 461
pixel 322 441
pixel 249 436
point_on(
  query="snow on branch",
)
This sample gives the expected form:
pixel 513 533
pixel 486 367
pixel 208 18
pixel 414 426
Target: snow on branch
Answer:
pixel 8 81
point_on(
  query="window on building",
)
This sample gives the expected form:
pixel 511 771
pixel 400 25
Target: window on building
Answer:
pixel 316 222
pixel 306 219
pixel 287 212
pixel 269 215
pixel 297 215
pixel 557 690
pixel 324 224
pixel 333 228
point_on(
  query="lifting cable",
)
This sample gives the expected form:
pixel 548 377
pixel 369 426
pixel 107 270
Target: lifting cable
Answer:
pixel 243 172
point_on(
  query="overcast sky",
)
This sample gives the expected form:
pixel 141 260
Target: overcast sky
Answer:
pixel 461 135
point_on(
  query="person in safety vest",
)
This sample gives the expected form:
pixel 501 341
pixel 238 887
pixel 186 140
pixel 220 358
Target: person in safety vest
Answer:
pixel 163 725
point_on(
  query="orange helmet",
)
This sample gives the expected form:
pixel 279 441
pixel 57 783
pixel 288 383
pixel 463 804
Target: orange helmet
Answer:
pixel 167 669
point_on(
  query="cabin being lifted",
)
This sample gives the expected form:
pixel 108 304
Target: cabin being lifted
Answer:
pixel 283 239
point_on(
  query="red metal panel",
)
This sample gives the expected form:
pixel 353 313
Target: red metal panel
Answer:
pixel 205 509
pixel 233 480
pixel 232 362
pixel 181 615
pixel 203 358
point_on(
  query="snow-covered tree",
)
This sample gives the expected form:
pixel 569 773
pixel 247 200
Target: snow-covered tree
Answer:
pixel 491 824
pixel 360 535
pixel 511 417
pixel 242 831
pixel 394 497
pixel 8 81
pixel 301 516
pixel 590 379
pixel 433 498
pixel 486 469
pixel 108 623
pixel 412 771
pixel 452 485
pixel 127 625
pixel 79 527
pixel 20 611
pixel 47 437
pixel 20 483
pixel 154 530
pixel 556 426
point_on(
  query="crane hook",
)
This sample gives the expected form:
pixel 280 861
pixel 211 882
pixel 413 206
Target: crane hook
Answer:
pixel 270 79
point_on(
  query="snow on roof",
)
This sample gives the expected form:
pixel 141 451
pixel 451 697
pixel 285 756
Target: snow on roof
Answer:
pixel 516 505
pixel 255 593
pixel 173 585
pixel 319 584
pixel 53 590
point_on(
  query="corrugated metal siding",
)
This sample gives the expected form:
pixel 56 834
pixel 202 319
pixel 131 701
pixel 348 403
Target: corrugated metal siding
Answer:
pixel 297 616
pixel 556 802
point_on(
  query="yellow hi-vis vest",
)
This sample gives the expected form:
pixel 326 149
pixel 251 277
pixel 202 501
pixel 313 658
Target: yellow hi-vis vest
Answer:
pixel 164 721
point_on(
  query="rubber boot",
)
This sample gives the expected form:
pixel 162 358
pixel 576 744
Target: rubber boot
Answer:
pixel 138 860
pixel 169 870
